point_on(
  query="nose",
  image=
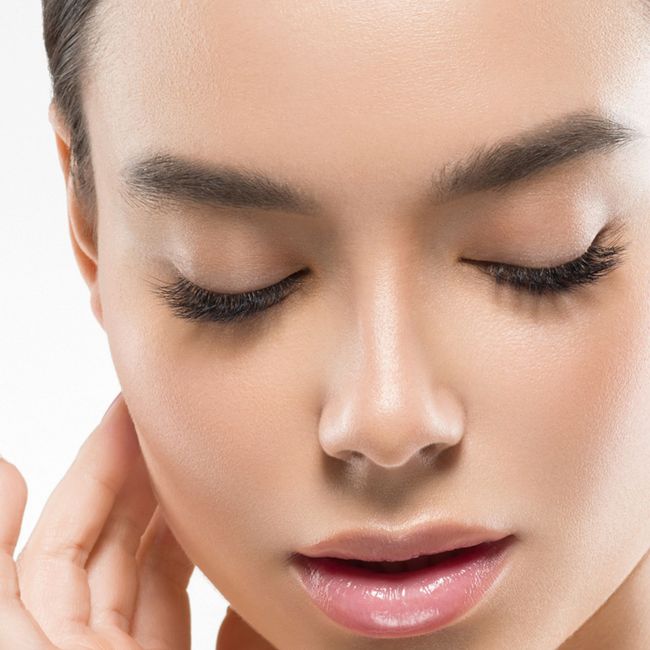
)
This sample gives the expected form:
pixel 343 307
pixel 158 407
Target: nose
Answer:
pixel 388 401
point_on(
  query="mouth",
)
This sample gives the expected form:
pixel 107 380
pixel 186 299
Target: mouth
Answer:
pixel 404 566
pixel 403 597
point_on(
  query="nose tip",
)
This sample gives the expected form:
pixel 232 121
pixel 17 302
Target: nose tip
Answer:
pixel 392 435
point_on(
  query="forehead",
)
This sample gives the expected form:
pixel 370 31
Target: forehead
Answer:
pixel 348 87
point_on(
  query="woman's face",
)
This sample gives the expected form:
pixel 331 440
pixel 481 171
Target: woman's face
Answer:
pixel 461 399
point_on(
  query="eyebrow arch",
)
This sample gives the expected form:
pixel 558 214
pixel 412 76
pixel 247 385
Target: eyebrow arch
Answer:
pixel 165 178
pixel 556 141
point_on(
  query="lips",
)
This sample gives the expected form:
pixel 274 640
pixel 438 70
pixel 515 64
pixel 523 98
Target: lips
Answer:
pixel 413 564
pixel 403 597
pixel 401 544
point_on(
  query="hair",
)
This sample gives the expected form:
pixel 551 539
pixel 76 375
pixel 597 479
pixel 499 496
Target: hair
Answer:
pixel 69 32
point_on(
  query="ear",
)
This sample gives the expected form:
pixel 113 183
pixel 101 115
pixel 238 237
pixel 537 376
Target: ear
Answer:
pixel 79 223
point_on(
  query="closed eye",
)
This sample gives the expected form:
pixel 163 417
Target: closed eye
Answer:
pixel 598 261
pixel 189 301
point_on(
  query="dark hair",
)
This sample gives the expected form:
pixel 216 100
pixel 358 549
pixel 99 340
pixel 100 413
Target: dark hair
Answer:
pixel 69 33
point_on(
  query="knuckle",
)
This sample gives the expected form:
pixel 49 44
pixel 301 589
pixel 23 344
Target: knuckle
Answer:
pixel 105 483
pixel 57 547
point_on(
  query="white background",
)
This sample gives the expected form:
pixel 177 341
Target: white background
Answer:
pixel 56 374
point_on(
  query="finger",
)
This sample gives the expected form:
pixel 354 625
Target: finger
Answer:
pixel 18 629
pixel 112 567
pixel 51 567
pixel 162 615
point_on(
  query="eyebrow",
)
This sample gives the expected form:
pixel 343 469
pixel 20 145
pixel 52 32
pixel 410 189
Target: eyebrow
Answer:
pixel 163 178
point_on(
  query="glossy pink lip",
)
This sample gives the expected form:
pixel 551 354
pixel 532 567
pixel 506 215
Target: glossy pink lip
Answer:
pixel 384 545
pixel 405 603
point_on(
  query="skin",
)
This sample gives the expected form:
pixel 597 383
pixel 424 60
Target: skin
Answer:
pixel 537 407
pixel 109 572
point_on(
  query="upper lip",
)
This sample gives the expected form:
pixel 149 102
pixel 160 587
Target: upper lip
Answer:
pixel 396 545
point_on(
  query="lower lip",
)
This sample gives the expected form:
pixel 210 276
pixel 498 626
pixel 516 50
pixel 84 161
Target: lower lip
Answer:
pixel 401 604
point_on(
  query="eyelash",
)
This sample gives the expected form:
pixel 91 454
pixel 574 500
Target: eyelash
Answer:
pixel 596 262
pixel 191 302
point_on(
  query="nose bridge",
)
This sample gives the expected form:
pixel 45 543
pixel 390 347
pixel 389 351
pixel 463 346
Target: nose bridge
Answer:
pixel 387 404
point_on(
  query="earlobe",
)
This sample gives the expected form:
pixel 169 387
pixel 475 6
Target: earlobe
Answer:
pixel 82 237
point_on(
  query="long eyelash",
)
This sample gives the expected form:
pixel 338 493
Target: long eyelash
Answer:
pixel 596 262
pixel 190 301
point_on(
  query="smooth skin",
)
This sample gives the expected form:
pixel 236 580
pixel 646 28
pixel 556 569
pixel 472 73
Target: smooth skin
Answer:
pixel 101 570
pixel 74 584
pixel 401 384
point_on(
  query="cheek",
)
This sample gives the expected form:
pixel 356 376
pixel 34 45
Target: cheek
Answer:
pixel 555 440
pixel 215 422
pixel 560 423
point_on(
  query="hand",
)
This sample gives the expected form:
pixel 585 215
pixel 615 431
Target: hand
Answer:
pixel 101 569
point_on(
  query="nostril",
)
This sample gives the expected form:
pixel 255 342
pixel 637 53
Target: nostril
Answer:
pixel 349 456
pixel 435 451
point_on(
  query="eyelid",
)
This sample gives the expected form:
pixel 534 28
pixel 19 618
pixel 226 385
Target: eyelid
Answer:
pixel 287 280
pixel 597 261
pixel 191 301
pixel 607 241
pixel 535 269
